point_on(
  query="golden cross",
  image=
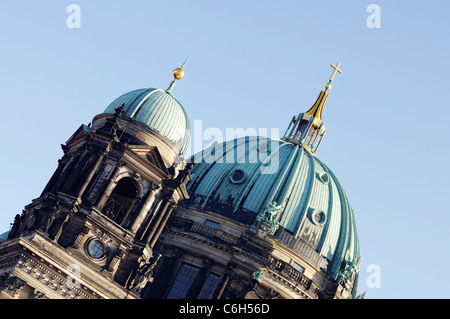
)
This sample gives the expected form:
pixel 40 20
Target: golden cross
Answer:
pixel 336 69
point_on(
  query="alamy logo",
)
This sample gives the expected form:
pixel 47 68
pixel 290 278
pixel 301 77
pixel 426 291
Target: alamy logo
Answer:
pixel 374 19
pixel 374 279
pixel 73 21
pixel 253 146
pixel 73 279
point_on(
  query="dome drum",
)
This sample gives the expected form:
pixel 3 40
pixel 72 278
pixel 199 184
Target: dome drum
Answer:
pixel 136 133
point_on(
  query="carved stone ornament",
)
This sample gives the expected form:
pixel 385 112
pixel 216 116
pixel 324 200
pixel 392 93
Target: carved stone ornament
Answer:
pixel 267 220
pixel 258 276
pixel 143 274
pixel 56 281
pixel 105 238
pixel 348 271
pixel 12 285
pixel 154 186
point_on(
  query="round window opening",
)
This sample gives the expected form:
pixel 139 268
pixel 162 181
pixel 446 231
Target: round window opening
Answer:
pixel 318 217
pixel 324 178
pixel 237 176
pixel 96 249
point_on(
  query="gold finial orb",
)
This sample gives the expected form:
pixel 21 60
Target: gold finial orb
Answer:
pixel 178 73
pixel 327 86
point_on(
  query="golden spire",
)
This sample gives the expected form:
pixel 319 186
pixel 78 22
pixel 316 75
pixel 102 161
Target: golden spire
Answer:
pixel 316 109
pixel 178 74
pixel 336 69
pixel 307 129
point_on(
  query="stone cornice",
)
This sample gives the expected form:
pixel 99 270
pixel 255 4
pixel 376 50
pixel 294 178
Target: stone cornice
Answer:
pixel 41 262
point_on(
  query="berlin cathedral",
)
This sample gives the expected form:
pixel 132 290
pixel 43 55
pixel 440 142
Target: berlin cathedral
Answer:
pixel 126 216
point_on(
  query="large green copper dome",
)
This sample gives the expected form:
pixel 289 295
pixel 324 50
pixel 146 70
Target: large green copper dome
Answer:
pixel 239 178
pixel 160 111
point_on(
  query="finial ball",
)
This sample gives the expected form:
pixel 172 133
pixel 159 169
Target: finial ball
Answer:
pixel 178 73
pixel 327 86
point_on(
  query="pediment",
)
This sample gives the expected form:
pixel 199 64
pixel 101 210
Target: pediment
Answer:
pixel 82 131
pixel 151 155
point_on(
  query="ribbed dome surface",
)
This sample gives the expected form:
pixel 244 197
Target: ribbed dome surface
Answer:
pixel 239 177
pixel 4 236
pixel 160 111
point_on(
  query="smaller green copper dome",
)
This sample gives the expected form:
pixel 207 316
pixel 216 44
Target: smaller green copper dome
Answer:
pixel 4 236
pixel 159 110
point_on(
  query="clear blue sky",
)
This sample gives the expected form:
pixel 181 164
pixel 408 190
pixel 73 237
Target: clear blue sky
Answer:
pixel 254 64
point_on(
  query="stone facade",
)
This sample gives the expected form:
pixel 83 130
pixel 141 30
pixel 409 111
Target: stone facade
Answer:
pixel 98 218
pixel 113 222
pixel 288 267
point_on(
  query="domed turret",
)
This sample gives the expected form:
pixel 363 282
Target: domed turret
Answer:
pixel 159 110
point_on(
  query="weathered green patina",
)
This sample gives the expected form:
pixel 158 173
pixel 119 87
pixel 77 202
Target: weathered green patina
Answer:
pixel 160 111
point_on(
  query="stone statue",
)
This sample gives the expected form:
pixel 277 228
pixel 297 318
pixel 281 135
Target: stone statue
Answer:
pixel 143 274
pixel 348 272
pixel 51 214
pixel 267 220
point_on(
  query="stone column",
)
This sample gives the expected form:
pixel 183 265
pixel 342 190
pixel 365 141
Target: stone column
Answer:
pixel 224 282
pixel 163 216
pixel 65 172
pixel 145 227
pixel 108 190
pixel 70 182
pixel 91 173
pixel 167 213
pixel 140 217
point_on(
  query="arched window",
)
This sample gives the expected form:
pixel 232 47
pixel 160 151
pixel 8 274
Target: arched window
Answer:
pixel 121 200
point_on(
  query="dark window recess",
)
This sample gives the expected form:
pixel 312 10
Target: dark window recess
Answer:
pixel 121 200
pixel 209 286
pixel 185 277
pixel 212 224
